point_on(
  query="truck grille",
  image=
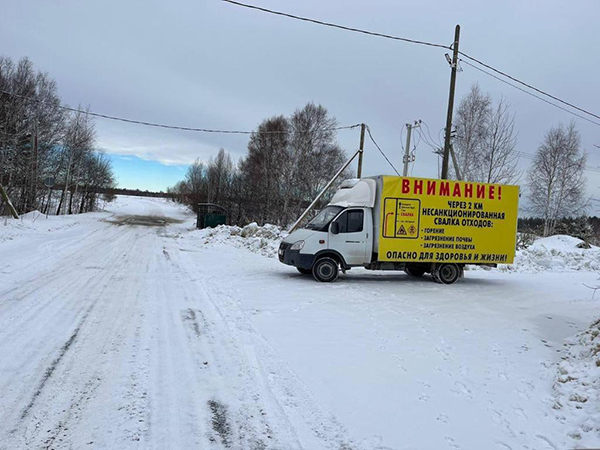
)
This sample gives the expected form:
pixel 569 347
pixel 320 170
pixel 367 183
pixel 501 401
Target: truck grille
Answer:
pixel 282 248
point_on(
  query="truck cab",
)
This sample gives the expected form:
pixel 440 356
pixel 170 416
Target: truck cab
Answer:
pixel 340 236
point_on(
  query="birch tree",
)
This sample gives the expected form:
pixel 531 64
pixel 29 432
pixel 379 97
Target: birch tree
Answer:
pixel 471 130
pixel 30 107
pixel 486 140
pixel 496 159
pixel 556 178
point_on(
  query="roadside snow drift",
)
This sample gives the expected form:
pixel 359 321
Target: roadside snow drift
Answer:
pixel 258 239
pixel 558 253
pixel 577 386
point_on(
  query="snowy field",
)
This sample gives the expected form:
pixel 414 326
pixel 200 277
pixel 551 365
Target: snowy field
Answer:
pixel 128 329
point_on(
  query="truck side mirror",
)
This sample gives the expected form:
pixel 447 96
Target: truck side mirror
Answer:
pixel 335 228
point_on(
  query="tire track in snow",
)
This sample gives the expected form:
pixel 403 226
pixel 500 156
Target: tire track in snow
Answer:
pixel 96 342
pixel 52 367
pixel 268 383
pixel 236 416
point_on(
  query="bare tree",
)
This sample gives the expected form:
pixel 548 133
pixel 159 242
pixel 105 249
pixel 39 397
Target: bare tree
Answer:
pixel 64 147
pixel 262 169
pixel 288 162
pixel 471 130
pixel 485 141
pixel 556 178
pixel 496 159
pixel 78 141
pixel 195 189
pixel 219 176
pixel 314 152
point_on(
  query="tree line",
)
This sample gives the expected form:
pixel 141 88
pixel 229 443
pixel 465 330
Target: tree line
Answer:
pixel 288 162
pixel 40 140
pixel 486 151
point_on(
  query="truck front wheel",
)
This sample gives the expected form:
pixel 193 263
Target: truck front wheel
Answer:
pixel 326 270
pixel 446 273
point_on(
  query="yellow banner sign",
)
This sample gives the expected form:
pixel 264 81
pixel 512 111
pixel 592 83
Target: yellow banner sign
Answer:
pixel 428 220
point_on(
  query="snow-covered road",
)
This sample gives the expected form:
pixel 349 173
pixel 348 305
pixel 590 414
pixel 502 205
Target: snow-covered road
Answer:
pixel 123 330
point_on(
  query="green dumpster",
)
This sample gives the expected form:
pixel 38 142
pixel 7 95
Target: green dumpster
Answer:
pixel 211 215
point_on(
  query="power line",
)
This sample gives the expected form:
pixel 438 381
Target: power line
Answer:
pixel 532 157
pixel 414 41
pixel 341 27
pixel 528 85
pixel 429 134
pixel 159 125
pixel 427 140
pixel 378 148
pixel 529 93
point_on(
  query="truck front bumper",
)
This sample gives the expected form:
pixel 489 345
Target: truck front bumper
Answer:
pixel 294 257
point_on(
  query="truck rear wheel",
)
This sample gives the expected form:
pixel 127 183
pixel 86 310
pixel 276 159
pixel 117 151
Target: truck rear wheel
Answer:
pixel 447 273
pixel 326 270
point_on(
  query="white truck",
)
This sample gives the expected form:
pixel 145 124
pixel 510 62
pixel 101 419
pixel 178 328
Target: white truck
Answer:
pixel 411 224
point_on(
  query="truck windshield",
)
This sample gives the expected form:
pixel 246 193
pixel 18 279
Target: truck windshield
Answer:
pixel 321 221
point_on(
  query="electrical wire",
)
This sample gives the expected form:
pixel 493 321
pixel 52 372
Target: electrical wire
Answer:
pixel 414 41
pixel 427 141
pixel 159 125
pixel 381 151
pixel 401 138
pixel 420 137
pixel 430 136
pixel 341 27
pixel 532 157
pixel 413 155
pixel 530 93
pixel 504 74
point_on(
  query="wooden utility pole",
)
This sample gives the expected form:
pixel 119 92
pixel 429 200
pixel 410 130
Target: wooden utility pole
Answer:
pixel 361 149
pixel 34 181
pixel 12 209
pixel 454 65
pixel 455 162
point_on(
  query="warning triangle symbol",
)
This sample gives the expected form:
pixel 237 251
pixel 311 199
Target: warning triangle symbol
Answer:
pixel 402 230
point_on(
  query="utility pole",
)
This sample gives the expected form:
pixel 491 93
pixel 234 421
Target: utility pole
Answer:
pixel 361 149
pixel 455 162
pixel 407 158
pixel 453 64
pixel 35 163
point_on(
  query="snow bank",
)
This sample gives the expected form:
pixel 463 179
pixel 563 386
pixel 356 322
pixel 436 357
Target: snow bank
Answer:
pixel 33 223
pixel 577 386
pixel 558 253
pixel 259 239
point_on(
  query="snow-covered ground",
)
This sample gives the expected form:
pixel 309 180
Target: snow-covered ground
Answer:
pixel 128 329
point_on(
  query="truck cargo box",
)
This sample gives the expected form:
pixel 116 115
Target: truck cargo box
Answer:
pixel 432 220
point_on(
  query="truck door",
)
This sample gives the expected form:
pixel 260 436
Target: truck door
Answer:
pixel 352 237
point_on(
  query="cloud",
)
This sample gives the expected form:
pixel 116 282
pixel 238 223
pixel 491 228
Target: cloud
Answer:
pixel 172 148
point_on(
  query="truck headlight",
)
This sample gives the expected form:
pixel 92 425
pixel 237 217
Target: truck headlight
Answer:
pixel 297 245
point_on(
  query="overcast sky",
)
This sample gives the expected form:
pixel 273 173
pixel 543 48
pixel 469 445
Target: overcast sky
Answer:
pixel 211 64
